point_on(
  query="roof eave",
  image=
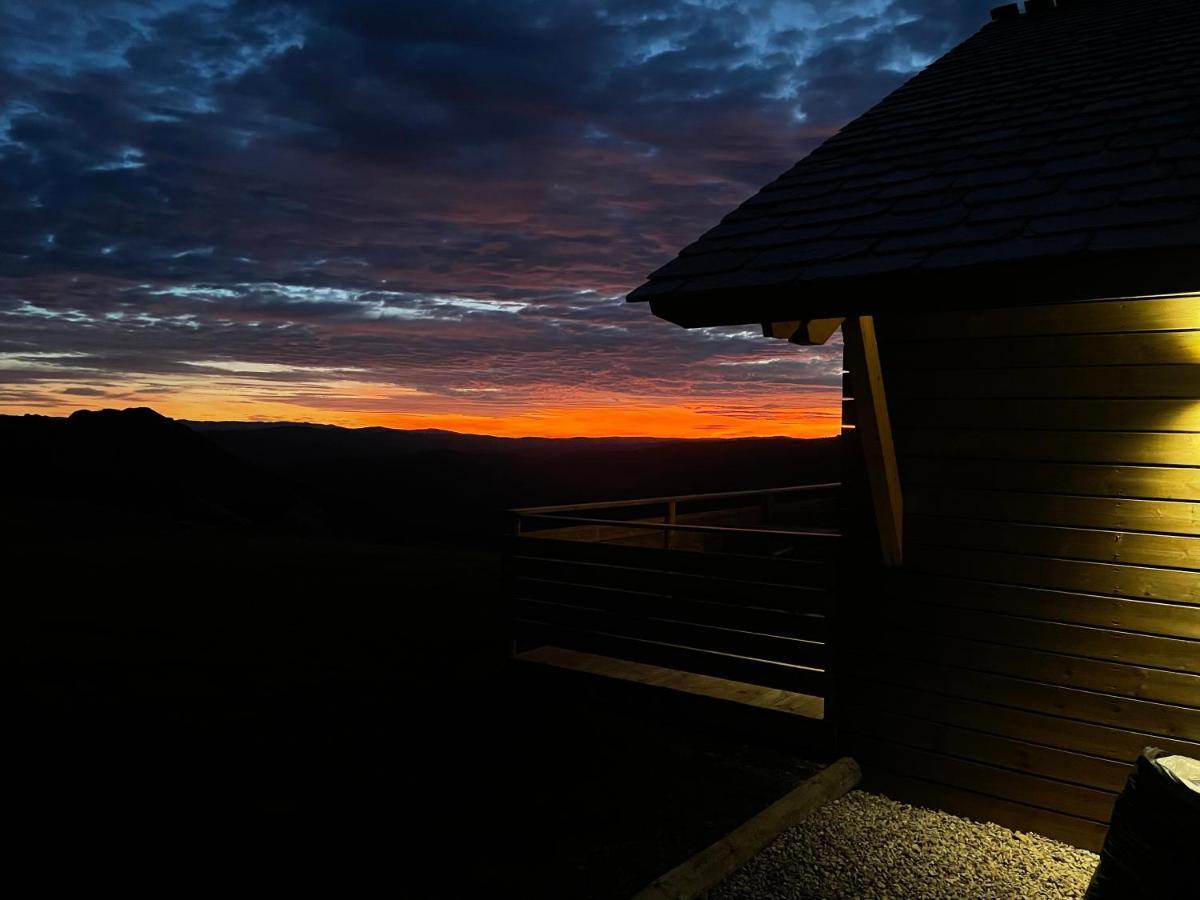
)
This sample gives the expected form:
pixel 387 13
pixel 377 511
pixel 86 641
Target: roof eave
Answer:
pixel 1028 282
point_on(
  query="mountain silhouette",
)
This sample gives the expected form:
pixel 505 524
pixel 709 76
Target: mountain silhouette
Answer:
pixel 135 469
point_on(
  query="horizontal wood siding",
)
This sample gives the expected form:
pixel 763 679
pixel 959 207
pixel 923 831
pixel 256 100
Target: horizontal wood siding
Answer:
pixel 1045 626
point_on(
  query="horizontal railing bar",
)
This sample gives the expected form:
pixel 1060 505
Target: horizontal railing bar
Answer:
pixel 704 650
pixel 662 526
pixel 682 498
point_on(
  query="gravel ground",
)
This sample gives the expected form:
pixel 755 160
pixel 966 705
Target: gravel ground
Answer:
pixel 868 847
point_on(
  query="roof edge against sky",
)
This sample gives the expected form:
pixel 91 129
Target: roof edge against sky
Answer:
pixel 1031 282
pixel 1049 157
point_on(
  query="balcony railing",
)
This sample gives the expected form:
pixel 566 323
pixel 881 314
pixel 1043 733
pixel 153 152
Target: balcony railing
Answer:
pixel 773 516
pixel 736 585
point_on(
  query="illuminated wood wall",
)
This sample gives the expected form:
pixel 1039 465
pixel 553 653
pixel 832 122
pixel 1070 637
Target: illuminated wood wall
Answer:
pixel 1045 624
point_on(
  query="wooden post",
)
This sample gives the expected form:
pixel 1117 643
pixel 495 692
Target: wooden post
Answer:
pixel 874 428
pixel 669 518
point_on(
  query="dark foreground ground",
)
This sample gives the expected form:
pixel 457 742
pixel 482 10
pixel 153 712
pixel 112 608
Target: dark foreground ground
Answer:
pixel 223 707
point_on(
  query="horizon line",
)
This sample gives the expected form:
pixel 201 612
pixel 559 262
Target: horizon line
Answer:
pixel 499 437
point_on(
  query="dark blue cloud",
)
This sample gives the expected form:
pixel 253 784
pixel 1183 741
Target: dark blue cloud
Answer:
pixel 211 166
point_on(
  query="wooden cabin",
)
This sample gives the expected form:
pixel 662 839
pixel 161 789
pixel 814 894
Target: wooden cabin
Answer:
pixel 1008 609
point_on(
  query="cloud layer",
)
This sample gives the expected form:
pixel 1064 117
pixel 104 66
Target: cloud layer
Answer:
pixel 414 214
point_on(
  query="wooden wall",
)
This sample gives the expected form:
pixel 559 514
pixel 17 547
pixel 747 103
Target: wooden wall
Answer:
pixel 1045 625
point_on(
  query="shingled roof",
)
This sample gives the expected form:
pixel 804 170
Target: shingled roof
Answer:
pixel 1054 155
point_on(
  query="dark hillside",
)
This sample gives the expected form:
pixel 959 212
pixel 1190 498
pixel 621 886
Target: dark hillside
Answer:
pixel 98 473
pixel 460 484
pixel 296 634
pixel 134 470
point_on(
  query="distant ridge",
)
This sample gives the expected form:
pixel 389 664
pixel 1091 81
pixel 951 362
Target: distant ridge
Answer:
pixel 134 469
pixel 145 413
pixel 210 425
pixel 96 472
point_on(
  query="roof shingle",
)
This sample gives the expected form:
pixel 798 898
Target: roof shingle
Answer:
pixel 1068 139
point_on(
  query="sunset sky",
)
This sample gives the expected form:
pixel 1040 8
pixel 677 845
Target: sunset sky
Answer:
pixel 413 214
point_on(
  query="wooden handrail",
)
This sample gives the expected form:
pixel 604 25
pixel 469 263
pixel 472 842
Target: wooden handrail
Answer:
pixel 708 529
pixel 683 498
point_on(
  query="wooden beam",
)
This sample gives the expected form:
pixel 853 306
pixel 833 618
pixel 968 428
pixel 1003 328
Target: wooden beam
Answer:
pixel 805 332
pixel 774 699
pixel 781 330
pixel 874 428
pixel 700 874
pixel 815 332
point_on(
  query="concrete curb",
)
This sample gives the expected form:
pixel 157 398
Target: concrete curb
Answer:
pixel 703 871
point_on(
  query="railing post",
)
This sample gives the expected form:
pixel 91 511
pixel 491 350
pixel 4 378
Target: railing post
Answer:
pixel 669 519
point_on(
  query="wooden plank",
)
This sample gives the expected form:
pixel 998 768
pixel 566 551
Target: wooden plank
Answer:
pixel 775 648
pixel 946 704
pixel 1118 613
pixel 684 587
pixel 696 876
pixel 1106 513
pixel 874 430
pixel 1140 314
pixel 1061 827
pixel 1131 548
pixel 1137 448
pixel 687 659
pixel 773 699
pixel 1169 653
pixel 809 626
pixel 593 533
pixel 1138 582
pixel 786 513
pixel 1009 753
pixel 1099 676
pixel 1161 720
pixel 645 527
pixel 1144 482
pixel 1045 351
pixel 1049 413
pixel 828 488
pixel 747 535
pixel 1162 381
pixel 1014 786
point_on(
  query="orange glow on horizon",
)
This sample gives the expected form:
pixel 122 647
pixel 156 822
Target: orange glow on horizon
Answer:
pixel 621 421
pixel 811 414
